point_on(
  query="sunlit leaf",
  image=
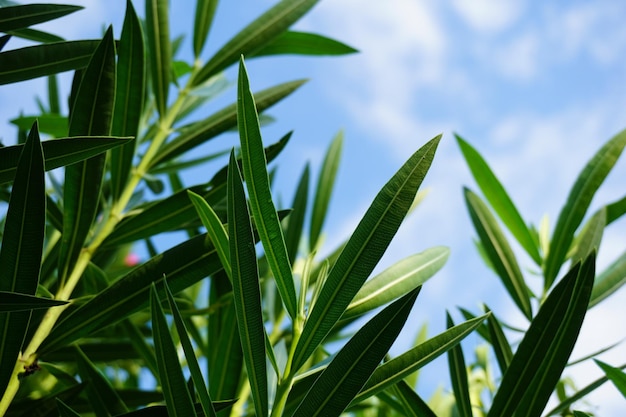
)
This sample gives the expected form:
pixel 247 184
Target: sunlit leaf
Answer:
pixel 609 280
pixel 23 16
pixel 302 43
pixel 205 11
pixel 615 375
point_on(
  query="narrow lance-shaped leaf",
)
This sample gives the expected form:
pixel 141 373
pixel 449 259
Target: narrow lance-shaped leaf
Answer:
pixel 194 368
pixel 65 410
pixel 578 201
pixel 590 236
pixel 458 376
pixel 545 349
pixel 258 185
pixel 413 404
pixel 499 343
pixel 90 115
pixel 205 11
pixel 23 16
pixel 617 376
pixel 325 184
pixel 254 36
pixel 58 153
pixel 499 252
pixel 129 97
pixel 177 397
pixel 41 60
pixel 499 199
pixel 11 301
pixel 295 221
pixel 246 289
pixel 22 246
pixel 353 365
pixel 159 50
pixel 364 249
pixel 302 43
pixel 609 281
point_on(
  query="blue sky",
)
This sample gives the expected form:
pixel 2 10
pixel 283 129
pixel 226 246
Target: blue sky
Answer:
pixel 537 87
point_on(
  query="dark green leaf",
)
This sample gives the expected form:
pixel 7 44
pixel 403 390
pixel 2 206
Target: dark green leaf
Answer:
pixel 253 37
pixel 544 351
pixel 205 10
pixel 458 376
pixel 258 185
pixel 353 365
pixel 41 60
pixel 364 249
pixel 295 221
pixel 499 252
pixel 90 115
pixel 159 50
pixel 23 16
pixel 302 43
pixel 58 153
pixel 22 246
pixel 413 404
pixel 499 199
pixel 54 102
pixel 499 343
pixel 11 301
pixel 36 36
pixel 177 397
pixel 129 97
pixel 578 201
pixel 65 411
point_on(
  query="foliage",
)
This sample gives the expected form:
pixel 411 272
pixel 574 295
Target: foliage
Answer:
pixel 262 333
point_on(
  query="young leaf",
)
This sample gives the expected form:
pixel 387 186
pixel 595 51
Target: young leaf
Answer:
pixel 499 252
pixel 159 50
pixel 458 376
pixel 609 281
pixel 90 115
pixel 11 301
pixel 177 397
pixel 590 237
pixel 325 184
pixel 353 365
pixel 364 249
pixel 23 16
pixel 578 201
pixel 58 153
pixel 543 352
pixel 205 11
pixel 261 203
pixel 194 368
pixel 129 97
pixel 302 43
pixel 246 289
pixel 254 36
pixel 617 376
pixel 499 199
pixel 22 247
pixel 41 60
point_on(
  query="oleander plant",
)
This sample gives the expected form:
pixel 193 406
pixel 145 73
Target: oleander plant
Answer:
pixel 239 314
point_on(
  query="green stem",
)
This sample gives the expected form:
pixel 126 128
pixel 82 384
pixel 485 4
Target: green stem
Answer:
pixel 65 292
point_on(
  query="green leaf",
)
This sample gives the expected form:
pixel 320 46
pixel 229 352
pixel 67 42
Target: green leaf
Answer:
pixel 499 343
pixel 41 60
pixel 363 250
pixel 325 184
pixel 413 404
pixel 90 115
pixel 129 97
pixel 391 372
pixel 590 237
pixel 261 203
pixel 159 50
pixel 103 398
pixel 499 199
pixel 36 35
pixel 353 365
pixel 246 289
pixel 54 102
pixel 302 43
pixel 51 124
pixel 215 229
pixel 458 376
pixel 22 246
pixel 58 153
pixel 499 252
pixel 192 362
pixel 581 414
pixel 397 280
pixel 11 301
pixel 544 351
pixel 615 210
pixel 184 265
pixel 23 16
pixel 609 281
pixel 205 11
pixel 197 133
pixel 255 36
pixel 177 397
pixel 578 201
pixel 64 410
pixel 295 221
pixel 615 375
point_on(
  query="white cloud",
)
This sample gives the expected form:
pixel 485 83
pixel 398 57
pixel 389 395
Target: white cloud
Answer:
pixel 518 58
pixel 488 15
